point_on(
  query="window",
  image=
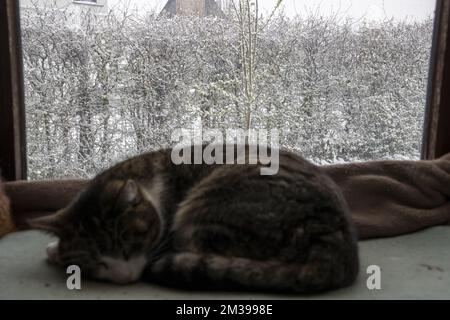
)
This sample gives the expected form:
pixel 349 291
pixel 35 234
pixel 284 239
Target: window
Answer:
pixel 349 85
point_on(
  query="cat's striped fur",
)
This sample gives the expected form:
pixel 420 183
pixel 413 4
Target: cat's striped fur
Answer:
pixel 210 226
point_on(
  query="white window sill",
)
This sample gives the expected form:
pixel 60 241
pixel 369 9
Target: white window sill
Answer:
pixel 415 266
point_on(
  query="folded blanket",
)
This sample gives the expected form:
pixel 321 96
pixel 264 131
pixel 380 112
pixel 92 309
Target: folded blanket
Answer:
pixel 391 198
pixel 6 223
pixel 31 199
pixel 386 198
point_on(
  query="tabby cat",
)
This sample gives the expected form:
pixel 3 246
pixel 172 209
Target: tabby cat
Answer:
pixel 199 226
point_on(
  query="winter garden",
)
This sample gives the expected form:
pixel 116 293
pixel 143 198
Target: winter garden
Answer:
pixel 116 85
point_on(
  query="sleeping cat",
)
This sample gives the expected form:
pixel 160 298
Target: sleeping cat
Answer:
pixel 201 226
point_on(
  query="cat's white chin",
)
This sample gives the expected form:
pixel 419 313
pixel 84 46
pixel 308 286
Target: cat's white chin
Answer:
pixel 121 271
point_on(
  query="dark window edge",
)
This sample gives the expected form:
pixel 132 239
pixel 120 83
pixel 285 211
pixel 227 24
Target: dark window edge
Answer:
pixel 12 109
pixel 436 134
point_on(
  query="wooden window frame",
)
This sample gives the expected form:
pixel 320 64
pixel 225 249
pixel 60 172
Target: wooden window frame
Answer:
pixel 13 163
pixel 436 135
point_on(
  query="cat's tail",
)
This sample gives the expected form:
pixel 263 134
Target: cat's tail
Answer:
pixel 198 272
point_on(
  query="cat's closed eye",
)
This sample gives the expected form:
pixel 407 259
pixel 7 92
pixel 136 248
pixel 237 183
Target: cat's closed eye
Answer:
pixel 140 225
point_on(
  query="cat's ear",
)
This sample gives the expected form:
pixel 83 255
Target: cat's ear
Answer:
pixel 128 195
pixel 51 223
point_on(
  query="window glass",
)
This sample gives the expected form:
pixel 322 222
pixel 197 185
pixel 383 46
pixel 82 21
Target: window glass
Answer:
pixel 341 80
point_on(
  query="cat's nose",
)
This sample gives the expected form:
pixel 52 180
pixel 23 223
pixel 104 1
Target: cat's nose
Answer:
pixel 122 271
pixel 124 276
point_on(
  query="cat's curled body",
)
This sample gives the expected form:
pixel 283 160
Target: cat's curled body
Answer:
pixel 209 226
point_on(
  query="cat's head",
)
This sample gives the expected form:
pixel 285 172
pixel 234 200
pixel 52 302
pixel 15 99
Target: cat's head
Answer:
pixel 108 231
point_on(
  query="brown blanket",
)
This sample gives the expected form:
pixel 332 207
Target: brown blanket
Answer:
pixel 391 198
pixel 6 223
pixel 386 198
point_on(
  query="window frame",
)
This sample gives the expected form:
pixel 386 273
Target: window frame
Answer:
pixel 13 155
pixel 13 161
pixel 436 134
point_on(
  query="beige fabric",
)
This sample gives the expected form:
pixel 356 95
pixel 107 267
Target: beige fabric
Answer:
pixel 6 223
pixel 391 198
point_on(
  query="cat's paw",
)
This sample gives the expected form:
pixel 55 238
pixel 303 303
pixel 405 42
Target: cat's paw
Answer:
pixel 52 252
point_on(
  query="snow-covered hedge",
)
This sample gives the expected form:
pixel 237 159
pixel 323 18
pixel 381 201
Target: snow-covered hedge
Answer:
pixel 118 85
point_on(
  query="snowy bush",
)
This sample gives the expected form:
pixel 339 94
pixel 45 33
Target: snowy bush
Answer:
pixel 118 85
